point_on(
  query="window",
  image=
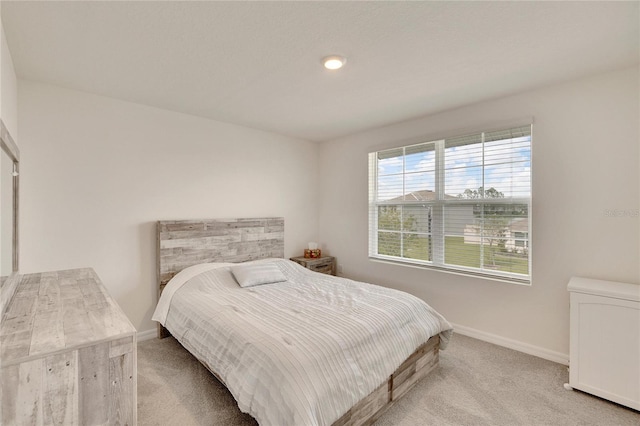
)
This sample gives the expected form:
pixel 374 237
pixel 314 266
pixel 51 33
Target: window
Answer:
pixel 460 204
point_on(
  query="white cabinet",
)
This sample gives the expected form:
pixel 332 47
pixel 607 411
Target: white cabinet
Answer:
pixel 605 340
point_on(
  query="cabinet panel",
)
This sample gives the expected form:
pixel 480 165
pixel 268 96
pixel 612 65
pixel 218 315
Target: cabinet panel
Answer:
pixel 605 340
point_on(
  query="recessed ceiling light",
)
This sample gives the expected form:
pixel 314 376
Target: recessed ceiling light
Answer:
pixel 334 62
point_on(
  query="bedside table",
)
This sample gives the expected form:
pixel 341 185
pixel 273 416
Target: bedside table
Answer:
pixel 324 265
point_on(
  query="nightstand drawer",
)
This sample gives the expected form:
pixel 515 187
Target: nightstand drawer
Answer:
pixel 324 265
pixel 324 268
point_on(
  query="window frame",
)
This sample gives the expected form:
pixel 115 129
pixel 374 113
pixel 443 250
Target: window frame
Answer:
pixel 438 206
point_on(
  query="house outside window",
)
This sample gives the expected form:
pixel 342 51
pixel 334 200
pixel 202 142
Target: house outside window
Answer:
pixel 461 204
pixel 520 240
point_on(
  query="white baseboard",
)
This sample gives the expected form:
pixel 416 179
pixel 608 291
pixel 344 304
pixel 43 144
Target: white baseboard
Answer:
pixel 526 348
pixel 147 334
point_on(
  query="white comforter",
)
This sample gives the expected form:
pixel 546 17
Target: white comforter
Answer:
pixel 300 352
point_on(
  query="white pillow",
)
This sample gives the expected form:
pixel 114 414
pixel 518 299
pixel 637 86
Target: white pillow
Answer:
pixel 257 274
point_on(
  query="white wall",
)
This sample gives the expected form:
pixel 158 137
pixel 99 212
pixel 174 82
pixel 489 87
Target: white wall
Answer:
pixel 585 161
pixel 96 173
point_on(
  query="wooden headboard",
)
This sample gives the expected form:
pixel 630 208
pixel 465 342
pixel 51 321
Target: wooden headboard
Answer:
pixel 184 243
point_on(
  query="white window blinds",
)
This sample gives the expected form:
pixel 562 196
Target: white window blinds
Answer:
pixel 461 203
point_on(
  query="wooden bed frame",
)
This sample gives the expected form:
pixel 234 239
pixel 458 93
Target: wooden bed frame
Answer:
pixel 183 243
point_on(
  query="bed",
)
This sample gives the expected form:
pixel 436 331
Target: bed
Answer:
pixel 300 347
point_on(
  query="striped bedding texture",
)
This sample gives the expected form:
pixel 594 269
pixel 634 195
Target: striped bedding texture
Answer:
pixel 302 351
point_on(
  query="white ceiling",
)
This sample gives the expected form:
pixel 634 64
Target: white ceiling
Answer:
pixel 257 64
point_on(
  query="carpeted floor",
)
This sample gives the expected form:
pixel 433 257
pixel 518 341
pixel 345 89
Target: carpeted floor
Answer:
pixel 477 383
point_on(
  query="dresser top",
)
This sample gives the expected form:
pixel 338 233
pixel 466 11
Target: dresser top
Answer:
pixel 56 311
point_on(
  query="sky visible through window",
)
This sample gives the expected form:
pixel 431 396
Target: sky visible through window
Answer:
pixel 507 168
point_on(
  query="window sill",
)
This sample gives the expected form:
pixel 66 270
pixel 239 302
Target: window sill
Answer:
pixel 471 274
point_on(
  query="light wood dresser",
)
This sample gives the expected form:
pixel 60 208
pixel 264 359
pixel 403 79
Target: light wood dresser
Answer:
pixel 68 353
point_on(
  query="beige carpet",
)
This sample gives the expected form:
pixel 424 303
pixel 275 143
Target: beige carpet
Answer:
pixel 477 383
